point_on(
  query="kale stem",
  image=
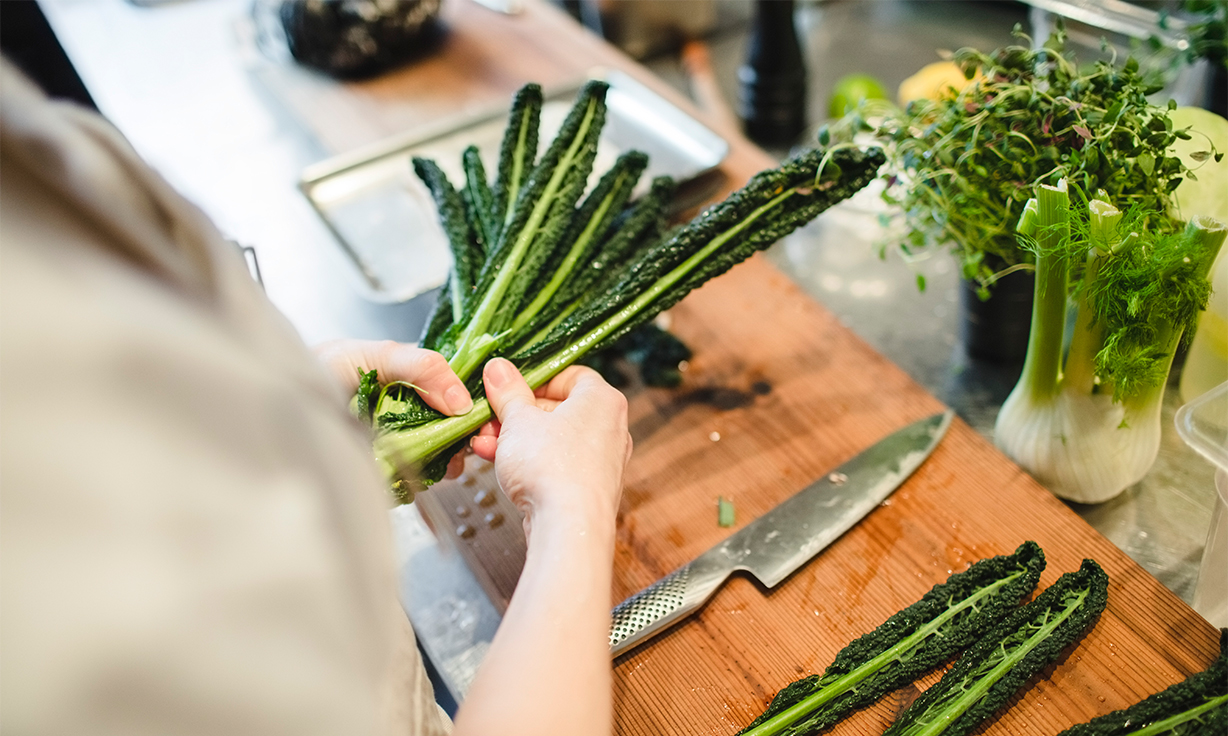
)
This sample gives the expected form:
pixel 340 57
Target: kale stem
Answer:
pixel 1042 366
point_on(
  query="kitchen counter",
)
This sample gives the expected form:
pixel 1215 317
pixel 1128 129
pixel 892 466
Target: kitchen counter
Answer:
pixel 187 85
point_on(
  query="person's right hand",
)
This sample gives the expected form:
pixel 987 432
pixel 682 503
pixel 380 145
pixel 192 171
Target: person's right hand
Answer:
pixel 561 450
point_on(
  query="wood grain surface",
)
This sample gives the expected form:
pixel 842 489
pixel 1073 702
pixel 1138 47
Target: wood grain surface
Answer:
pixel 777 394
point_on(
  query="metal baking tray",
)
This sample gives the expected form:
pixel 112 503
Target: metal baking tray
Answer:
pixel 385 221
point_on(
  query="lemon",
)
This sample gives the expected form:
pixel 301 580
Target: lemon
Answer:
pixel 1208 194
pixel 931 82
pixel 851 90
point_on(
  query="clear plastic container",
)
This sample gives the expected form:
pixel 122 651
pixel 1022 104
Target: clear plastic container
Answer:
pixel 1203 424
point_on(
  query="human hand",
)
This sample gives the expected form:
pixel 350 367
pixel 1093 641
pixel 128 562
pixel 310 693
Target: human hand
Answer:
pixel 438 386
pixel 559 450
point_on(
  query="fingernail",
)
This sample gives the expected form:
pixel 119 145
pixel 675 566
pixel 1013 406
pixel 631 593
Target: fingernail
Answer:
pixel 458 400
pixel 498 372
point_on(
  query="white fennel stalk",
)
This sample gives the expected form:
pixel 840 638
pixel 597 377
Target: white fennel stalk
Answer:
pixel 1082 430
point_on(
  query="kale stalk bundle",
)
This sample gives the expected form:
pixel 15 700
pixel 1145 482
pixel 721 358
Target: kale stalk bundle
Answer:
pixel 544 275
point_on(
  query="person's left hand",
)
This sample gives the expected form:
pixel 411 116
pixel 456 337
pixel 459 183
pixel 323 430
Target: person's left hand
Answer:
pixel 438 386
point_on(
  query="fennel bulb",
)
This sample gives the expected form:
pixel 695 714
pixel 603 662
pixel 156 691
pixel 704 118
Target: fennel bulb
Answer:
pixel 1087 424
pixel 1084 447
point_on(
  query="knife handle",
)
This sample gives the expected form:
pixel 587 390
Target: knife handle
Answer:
pixel 662 604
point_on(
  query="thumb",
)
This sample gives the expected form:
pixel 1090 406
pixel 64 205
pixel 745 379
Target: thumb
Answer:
pixel 506 389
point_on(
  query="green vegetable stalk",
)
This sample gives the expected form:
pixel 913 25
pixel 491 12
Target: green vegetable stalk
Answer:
pixel 1087 425
pixel 998 664
pixel 910 643
pixel 1197 706
pixel 545 279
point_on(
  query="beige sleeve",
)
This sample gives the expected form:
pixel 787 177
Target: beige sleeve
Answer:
pixel 193 537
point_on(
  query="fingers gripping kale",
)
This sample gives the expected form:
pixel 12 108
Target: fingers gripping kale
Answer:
pixel 562 280
pixel 999 663
pixel 909 644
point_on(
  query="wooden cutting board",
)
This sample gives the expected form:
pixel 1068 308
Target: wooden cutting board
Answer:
pixel 778 393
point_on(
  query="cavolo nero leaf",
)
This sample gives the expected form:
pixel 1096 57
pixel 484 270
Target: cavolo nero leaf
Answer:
pixel 999 663
pixel 909 644
pixel 518 152
pixel 467 256
pixel 368 391
pixel 771 205
pixel 479 201
pixel 635 230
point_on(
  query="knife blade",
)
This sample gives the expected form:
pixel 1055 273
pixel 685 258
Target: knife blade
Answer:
pixel 782 540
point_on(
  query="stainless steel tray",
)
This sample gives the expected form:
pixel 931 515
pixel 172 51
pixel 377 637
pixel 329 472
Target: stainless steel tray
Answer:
pixel 384 218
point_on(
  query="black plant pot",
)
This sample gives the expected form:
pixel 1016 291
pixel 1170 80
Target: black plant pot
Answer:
pixel 996 329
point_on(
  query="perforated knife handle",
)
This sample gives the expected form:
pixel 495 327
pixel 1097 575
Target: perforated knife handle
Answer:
pixel 662 604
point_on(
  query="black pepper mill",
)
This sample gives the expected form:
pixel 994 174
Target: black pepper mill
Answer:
pixel 773 79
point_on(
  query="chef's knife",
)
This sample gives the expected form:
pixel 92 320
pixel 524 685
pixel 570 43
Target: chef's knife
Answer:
pixel 784 538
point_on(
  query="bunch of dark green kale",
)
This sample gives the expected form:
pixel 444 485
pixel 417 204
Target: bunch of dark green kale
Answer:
pixel 546 275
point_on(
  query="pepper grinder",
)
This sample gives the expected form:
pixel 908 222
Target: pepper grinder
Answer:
pixel 772 103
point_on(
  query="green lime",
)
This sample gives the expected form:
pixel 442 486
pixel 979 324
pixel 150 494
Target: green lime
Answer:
pixel 850 90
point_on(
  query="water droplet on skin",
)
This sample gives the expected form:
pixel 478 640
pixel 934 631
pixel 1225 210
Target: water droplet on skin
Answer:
pixel 462 511
pixel 494 520
pixel 715 436
pixel 464 531
pixel 484 498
